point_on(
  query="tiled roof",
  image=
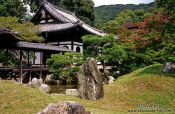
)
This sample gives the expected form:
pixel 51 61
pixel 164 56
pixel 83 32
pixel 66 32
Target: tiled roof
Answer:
pixel 40 47
pixel 16 43
pixel 65 17
pixel 56 27
pixel 92 30
pixel 59 13
pixel 4 32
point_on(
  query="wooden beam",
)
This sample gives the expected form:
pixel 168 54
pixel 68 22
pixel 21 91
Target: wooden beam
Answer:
pixel 45 55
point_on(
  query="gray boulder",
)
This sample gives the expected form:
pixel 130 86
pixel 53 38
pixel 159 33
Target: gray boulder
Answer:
pixel 111 79
pixel 34 83
pixel 40 81
pixel 65 107
pixel 50 80
pixel 44 88
pixel 168 67
pixel 90 81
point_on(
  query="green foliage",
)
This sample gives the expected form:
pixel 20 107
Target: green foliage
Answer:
pixel 33 4
pixel 152 41
pixel 114 55
pixel 57 63
pixel 170 53
pixel 106 49
pixel 107 13
pixel 84 9
pixel 122 17
pixel 168 5
pixel 12 8
pixel 65 67
pixel 95 44
pixel 26 30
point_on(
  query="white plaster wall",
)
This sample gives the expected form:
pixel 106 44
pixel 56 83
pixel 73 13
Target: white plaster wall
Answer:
pixel 39 57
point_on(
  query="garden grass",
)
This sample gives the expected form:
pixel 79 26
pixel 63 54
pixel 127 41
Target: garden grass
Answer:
pixel 143 87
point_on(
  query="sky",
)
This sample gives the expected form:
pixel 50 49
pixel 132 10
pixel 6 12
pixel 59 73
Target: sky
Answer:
pixel 109 2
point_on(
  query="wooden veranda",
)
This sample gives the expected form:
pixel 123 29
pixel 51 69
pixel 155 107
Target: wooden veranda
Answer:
pixel 9 41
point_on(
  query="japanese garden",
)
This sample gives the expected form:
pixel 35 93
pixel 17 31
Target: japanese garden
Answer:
pixel 71 57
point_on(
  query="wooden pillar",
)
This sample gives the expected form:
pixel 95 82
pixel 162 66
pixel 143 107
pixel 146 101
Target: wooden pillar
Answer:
pixel 20 66
pixel 30 74
pixel 28 60
pixel 34 58
pixel 41 60
pixel 44 58
pixel 28 57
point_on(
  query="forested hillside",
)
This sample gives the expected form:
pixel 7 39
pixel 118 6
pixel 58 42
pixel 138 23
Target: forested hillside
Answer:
pixel 108 12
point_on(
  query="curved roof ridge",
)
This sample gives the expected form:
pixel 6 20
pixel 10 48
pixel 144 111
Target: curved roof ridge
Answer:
pixel 54 13
pixel 59 8
pixel 92 30
pixel 66 15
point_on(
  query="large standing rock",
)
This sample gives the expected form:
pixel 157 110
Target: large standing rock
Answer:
pixel 65 107
pixel 90 81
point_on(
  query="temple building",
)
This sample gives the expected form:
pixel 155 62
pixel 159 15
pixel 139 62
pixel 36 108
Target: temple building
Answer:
pixel 62 28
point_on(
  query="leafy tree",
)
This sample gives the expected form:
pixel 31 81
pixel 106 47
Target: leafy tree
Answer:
pixel 65 67
pixel 122 17
pixel 115 57
pixel 105 50
pixel 168 27
pixel 12 8
pixel 26 30
pixel 150 42
pixel 168 5
pixel 33 4
pixel 84 9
